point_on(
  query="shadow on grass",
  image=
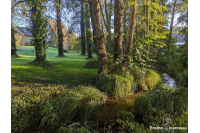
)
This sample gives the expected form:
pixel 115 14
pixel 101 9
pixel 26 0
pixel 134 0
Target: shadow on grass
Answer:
pixel 53 74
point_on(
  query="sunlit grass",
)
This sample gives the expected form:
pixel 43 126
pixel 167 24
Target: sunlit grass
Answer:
pixel 64 70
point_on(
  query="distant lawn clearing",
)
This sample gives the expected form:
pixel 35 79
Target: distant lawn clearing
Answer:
pixel 66 70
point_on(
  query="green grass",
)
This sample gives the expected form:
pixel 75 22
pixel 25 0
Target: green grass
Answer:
pixel 64 70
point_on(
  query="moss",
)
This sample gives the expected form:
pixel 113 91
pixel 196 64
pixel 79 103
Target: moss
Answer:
pixel 116 85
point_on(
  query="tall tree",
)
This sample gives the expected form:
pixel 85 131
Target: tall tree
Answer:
pixel 98 36
pixel 38 29
pixel 171 27
pixel 132 22
pixel 88 33
pixel 118 36
pixel 82 29
pixel 59 28
pixel 13 43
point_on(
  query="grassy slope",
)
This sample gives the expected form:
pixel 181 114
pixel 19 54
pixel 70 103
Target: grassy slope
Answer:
pixel 65 70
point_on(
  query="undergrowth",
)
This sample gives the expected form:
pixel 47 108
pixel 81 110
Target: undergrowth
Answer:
pixel 161 102
pixel 73 105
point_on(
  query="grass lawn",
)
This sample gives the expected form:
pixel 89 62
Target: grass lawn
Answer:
pixel 66 70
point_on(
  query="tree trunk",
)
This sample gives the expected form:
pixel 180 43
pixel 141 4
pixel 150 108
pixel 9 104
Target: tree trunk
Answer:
pixel 98 36
pixel 118 17
pixel 171 28
pixel 132 22
pixel 38 30
pixel 82 29
pixel 108 25
pixel 88 33
pixel 126 12
pixel 13 44
pixel 59 29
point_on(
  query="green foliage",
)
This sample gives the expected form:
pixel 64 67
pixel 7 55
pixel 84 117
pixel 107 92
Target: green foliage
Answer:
pixel 74 104
pixel 133 127
pixel 180 121
pixel 168 102
pixel 73 130
pixel 93 64
pixel 124 115
pixel 25 103
pixel 146 79
pixel 116 85
pixel 173 65
pixel 38 29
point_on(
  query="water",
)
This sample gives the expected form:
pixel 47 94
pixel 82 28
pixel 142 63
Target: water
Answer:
pixel 167 80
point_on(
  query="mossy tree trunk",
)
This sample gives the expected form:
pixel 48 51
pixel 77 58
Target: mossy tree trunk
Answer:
pixel 59 28
pixel 13 43
pixel 98 36
pixel 88 33
pixel 118 17
pixel 38 30
pixel 82 29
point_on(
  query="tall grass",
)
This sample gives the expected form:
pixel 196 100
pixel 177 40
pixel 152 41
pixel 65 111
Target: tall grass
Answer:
pixel 116 85
pixel 146 79
pixel 26 101
pixel 170 102
pixel 73 105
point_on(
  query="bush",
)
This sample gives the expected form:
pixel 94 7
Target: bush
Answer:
pixel 93 64
pixel 146 79
pixel 116 85
pixel 170 102
pixel 182 78
pixel 76 104
pixel 25 104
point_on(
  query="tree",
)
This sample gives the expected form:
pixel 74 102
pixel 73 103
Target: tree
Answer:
pixel 132 22
pixel 118 36
pixel 59 28
pixel 98 37
pixel 88 33
pixel 38 29
pixel 82 29
pixel 171 27
pixel 13 44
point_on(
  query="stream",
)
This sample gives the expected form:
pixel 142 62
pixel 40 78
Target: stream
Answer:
pixel 107 112
pixel 167 80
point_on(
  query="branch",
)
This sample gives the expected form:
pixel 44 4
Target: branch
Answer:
pixel 17 3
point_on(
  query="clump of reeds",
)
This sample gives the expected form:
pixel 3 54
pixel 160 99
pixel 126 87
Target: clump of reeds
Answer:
pixel 75 104
pixel 170 102
pixel 116 85
pixel 146 79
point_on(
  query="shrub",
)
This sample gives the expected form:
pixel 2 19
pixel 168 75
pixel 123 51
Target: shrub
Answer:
pixel 116 85
pixel 75 104
pixel 171 102
pixel 182 78
pixel 93 64
pixel 146 79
